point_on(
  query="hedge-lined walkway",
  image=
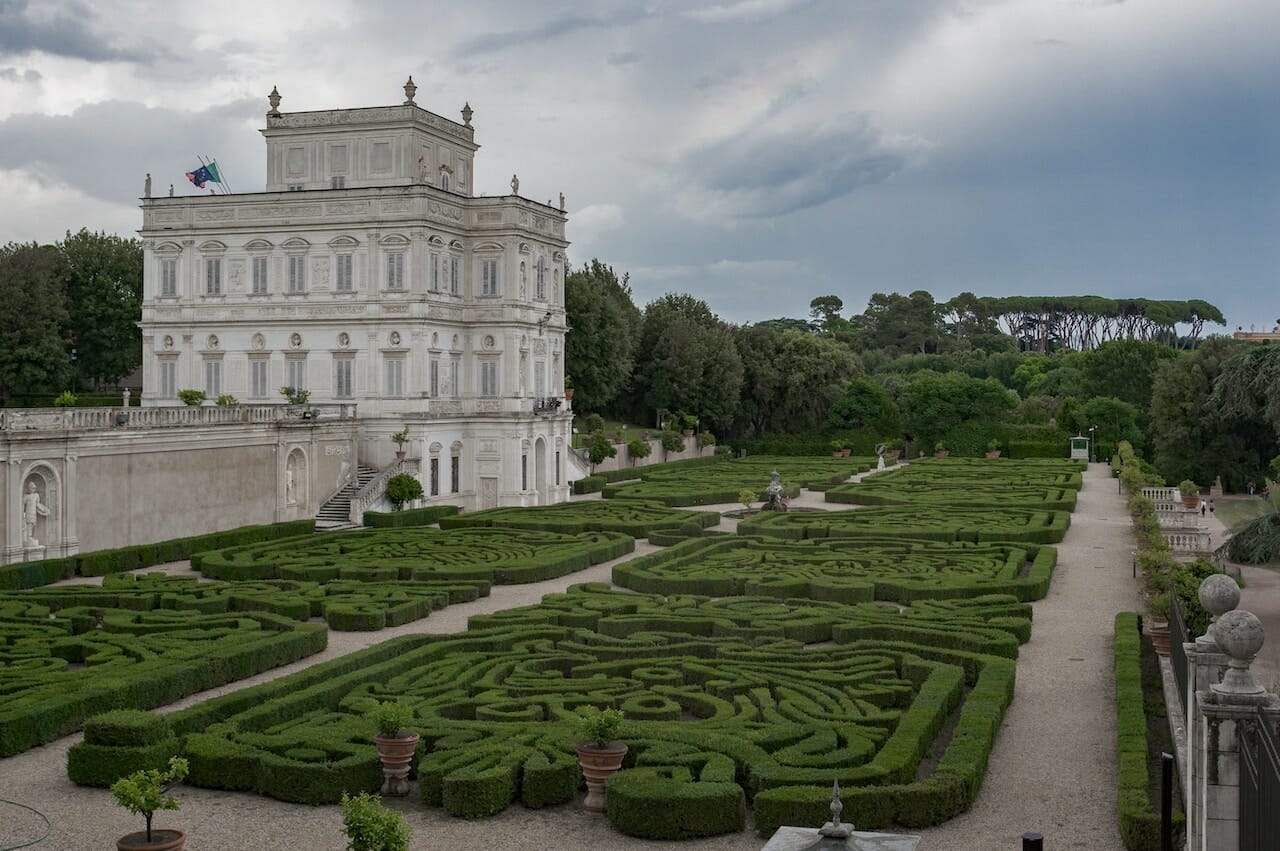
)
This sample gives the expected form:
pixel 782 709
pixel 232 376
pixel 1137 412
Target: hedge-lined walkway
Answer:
pixel 1053 769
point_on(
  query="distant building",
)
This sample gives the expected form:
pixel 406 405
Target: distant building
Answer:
pixel 1255 336
pixel 368 273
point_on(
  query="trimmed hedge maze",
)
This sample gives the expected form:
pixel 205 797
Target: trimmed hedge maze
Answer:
pixel 882 491
pixel 713 484
pixel 59 667
pixel 925 522
pixel 636 518
pixel 845 570
pixel 498 556
pixel 724 704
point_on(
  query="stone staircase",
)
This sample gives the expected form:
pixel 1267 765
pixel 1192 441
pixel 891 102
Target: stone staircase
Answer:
pixel 336 513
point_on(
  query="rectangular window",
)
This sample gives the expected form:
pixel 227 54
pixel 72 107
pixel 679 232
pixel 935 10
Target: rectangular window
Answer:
pixel 489 378
pixel 524 472
pixel 395 270
pixel 343 273
pixel 455 474
pixel 297 274
pixel 259 276
pixel 258 378
pixel 557 468
pixel 435 272
pixel 213 276
pixel 395 377
pixel 435 476
pixel 435 378
pixel 342 368
pixel 455 275
pixel 212 379
pixel 541 285
pixel 168 378
pixel 337 183
pixel 168 277
pixel 488 277
pixel 297 369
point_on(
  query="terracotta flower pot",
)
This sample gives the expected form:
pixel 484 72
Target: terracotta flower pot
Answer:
pixel 598 765
pixel 161 840
pixel 836 453
pixel 993 453
pixel 1159 631
pixel 1191 500
pixel 942 453
pixel 568 394
pixel 400 453
pixel 893 453
pixel 396 753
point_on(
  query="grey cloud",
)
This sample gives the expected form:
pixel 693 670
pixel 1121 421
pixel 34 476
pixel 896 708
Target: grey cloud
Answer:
pixel 761 174
pixel 104 149
pixel 553 28
pixel 629 57
pixel 13 75
pixel 60 31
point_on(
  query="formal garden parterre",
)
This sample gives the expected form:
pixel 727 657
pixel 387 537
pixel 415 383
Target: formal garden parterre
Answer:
pixel 875 645
pixel 724 482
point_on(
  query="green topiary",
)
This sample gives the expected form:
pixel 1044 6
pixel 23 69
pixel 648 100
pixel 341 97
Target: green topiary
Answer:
pixel 639 448
pixel 369 826
pixel 391 719
pixel 194 398
pixel 402 488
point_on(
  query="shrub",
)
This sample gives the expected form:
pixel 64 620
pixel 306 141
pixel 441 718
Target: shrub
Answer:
pixel 672 440
pixel 295 395
pixel 194 398
pixel 144 792
pixel 639 448
pixel 410 517
pixel 593 423
pixel 391 719
pixel 600 726
pixel 65 399
pixel 601 449
pixel 369 826
pixel 226 400
pixel 589 484
pixel 706 438
pixel 402 488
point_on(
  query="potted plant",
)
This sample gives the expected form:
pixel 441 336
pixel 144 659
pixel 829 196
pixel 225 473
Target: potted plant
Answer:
pixel 295 395
pixel 402 488
pixel 396 744
pixel 638 448
pixel 940 450
pixel 600 755
pixel 706 438
pixel 688 423
pixel 672 441
pixel 993 448
pixel 1190 493
pixel 837 447
pixel 894 450
pixel 746 496
pixel 226 400
pixel 369 826
pixel 193 398
pixel 568 388
pixel 1158 625
pixel 400 438
pixel 143 793
pixel 600 450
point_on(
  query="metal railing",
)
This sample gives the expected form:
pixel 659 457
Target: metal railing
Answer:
pixel 91 419
pixel 1259 784
pixel 1178 636
pixel 371 491
pixel 547 404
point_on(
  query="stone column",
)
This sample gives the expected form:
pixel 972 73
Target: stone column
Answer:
pixel 13 512
pixel 1226 710
pixel 1206 663
pixel 70 544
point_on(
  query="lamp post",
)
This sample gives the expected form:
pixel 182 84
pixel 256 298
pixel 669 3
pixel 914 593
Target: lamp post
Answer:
pixel 1093 452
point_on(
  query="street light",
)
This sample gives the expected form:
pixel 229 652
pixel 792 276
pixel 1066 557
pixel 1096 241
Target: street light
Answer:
pixel 1093 452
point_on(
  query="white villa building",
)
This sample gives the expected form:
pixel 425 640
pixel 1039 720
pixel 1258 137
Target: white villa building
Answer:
pixel 368 273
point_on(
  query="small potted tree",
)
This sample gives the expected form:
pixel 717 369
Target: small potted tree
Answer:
pixel 600 449
pixel 369 826
pixel 688 423
pixel 568 388
pixel 638 449
pixel 1190 492
pixel 894 450
pixel 143 793
pixel 837 447
pixel 940 450
pixel 1158 624
pixel 600 755
pixel 396 744
pixel 400 438
pixel 402 488
pixel 993 448
pixel 192 398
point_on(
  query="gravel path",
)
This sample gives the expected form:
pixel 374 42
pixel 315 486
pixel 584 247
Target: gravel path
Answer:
pixel 1053 768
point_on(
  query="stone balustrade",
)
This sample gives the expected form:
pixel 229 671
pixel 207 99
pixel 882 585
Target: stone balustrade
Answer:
pixel 1188 540
pixel 98 419
pixel 372 491
pixel 1162 494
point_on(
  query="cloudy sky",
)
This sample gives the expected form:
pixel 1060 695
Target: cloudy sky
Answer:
pixel 755 153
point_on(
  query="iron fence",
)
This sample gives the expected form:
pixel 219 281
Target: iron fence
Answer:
pixel 1259 784
pixel 1178 636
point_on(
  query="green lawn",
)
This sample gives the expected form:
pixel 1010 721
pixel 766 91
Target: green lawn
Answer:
pixel 1237 511
pixel 629 431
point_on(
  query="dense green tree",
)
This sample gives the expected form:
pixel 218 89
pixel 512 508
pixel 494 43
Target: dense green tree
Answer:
pixel 901 324
pixel 34 349
pixel 104 299
pixel 1113 419
pixel 934 403
pixel 790 379
pixel 866 406
pixel 692 366
pixel 1249 382
pixel 1125 369
pixel 605 327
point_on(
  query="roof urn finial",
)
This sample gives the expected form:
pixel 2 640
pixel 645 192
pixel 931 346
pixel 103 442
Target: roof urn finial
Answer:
pixel 409 91
pixel 467 112
pixel 274 100
pixel 834 829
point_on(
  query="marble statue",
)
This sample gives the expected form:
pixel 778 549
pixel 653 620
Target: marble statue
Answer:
pixel 562 202
pixel 146 187
pixel 515 185
pixel 289 496
pixel 31 509
pixel 170 190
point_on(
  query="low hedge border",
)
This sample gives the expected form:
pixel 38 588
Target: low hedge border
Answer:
pixel 1139 818
pixel 411 517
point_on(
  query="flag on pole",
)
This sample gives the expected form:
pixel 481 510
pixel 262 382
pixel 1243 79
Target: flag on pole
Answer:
pixel 204 174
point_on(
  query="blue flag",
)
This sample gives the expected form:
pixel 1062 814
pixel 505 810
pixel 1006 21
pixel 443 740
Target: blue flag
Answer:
pixel 204 174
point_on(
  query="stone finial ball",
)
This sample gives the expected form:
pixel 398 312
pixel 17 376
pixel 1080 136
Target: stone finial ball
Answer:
pixel 1239 634
pixel 1219 594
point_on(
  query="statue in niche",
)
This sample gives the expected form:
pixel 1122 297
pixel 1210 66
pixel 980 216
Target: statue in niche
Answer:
pixel 290 496
pixel 32 508
pixel 522 373
pixel 515 185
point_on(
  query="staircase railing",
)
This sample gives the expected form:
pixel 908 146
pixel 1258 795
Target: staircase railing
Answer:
pixel 372 490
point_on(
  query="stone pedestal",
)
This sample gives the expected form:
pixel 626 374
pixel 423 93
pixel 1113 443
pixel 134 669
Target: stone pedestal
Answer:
pixel 811 839
pixel 36 553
